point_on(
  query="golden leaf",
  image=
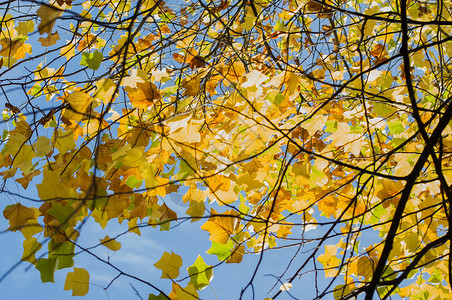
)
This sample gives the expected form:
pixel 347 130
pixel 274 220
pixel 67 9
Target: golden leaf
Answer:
pixel 220 227
pixel 143 95
pixel 79 106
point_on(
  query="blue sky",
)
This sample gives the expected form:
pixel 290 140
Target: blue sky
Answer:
pixel 137 256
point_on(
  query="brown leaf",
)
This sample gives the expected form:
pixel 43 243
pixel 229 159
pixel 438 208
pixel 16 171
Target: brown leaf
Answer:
pixel 179 58
pixel 223 5
pixel 47 117
pixel 197 62
pixel 48 15
pixel 378 50
pixel 165 29
pixel 18 215
pixel 191 85
pixel 12 108
pixel 61 2
pixel 314 6
pixel 166 213
pixel 50 40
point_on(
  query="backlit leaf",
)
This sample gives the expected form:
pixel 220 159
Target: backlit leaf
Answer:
pixel 200 274
pixel 92 60
pixel 220 227
pixel 47 268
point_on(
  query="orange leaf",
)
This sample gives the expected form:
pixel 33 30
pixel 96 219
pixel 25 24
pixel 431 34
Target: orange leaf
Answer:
pixel 144 95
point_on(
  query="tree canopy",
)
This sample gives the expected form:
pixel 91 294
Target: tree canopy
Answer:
pixel 316 128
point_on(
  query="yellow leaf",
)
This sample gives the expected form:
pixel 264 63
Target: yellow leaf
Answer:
pixel 220 227
pixel 42 146
pixel 143 95
pixel 133 226
pixel 329 261
pixel 315 123
pixel 194 194
pixel 79 104
pixel 327 205
pixel 68 51
pixel 254 78
pixel 31 246
pixel 24 181
pixel 24 28
pixel 64 140
pixel 32 226
pixel 133 158
pixel 234 73
pixel 23 158
pixel 365 267
pixel 110 243
pixel 105 89
pixel 18 215
pixel 237 255
pixel 78 282
pixel 10 47
pixel 52 187
pixel 185 129
pixel 48 17
pixel 14 48
pixel 196 210
pixel 101 217
pixel 169 263
pixel 249 20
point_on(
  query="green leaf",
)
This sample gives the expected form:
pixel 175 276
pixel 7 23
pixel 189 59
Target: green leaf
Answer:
pixel 47 268
pixel 356 129
pixel 436 277
pixel 200 274
pixel 159 297
pixel 396 127
pixel 222 251
pixel 331 126
pixel 383 110
pixel 63 252
pixel 92 60
pixel 341 290
pixel 61 212
pixel 133 182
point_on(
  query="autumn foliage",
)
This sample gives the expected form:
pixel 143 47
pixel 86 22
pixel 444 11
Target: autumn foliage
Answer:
pixel 316 128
